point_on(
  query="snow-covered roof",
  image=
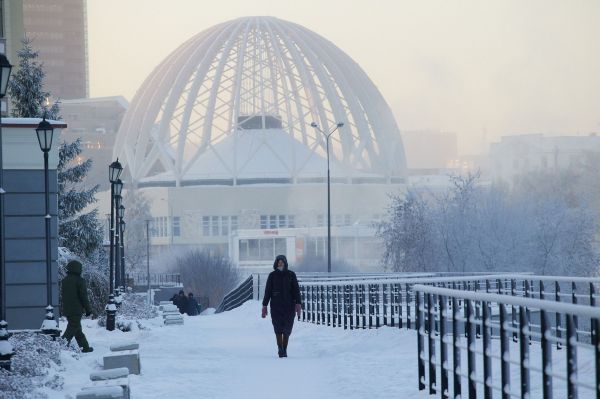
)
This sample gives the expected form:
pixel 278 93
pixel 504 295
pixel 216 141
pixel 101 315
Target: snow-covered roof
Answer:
pixel 30 122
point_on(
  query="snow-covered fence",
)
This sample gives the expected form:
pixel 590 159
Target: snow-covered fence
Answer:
pixel 237 296
pixel 140 279
pixel 543 360
pixel 372 302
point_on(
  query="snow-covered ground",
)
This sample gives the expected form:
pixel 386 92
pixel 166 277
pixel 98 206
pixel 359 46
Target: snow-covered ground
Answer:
pixel 234 355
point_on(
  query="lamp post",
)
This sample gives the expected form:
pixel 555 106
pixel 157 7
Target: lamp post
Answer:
pixel 114 173
pixel 45 134
pixel 148 259
pixel 327 137
pixel 123 277
pixel 7 352
pixel 119 245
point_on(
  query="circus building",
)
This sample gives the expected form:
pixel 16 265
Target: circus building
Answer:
pixel 219 137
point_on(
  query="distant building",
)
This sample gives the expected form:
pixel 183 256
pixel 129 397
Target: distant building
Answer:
pixel 96 121
pixel 59 31
pixel 516 155
pixel 430 149
pixel 11 32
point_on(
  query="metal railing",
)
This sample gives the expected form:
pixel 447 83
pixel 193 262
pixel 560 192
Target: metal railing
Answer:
pixel 544 356
pixel 374 303
pixel 237 296
pixel 156 279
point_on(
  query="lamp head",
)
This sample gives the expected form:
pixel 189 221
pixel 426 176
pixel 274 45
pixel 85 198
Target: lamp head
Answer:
pixel 114 171
pixel 44 133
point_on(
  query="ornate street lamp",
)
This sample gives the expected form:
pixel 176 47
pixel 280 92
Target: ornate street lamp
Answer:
pixel 327 137
pixel 5 69
pixel 114 173
pixel 45 134
pixel 117 245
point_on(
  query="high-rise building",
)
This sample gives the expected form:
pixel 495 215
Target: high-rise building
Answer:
pixel 59 32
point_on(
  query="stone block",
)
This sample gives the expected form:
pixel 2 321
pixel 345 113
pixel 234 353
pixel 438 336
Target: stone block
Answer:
pixel 110 374
pixel 112 392
pixel 125 346
pixel 129 359
pixel 120 382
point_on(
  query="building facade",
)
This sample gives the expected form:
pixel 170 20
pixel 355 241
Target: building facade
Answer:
pixel 58 29
pixel 95 121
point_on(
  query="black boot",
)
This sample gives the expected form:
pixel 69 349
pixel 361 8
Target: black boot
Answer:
pixel 284 351
pixel 286 339
pixel 281 352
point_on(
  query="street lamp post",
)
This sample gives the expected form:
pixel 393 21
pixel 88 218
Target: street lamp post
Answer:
pixel 148 259
pixel 327 137
pixel 7 353
pixel 114 173
pixel 45 134
pixel 123 278
pixel 119 245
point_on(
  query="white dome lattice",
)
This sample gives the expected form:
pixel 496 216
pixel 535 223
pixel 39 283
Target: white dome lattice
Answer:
pixel 244 78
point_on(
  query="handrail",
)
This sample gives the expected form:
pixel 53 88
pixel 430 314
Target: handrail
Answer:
pixel 444 314
pixel 236 297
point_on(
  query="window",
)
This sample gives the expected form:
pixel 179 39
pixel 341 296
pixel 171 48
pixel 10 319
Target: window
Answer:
pixel 224 225
pixel 277 221
pixel 214 225
pixel 219 225
pixel 264 249
pixel 320 220
pixel 206 225
pixel 176 226
pixel 263 222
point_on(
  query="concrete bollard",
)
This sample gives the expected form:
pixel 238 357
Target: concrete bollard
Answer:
pixel 50 325
pixel 126 358
pixel 111 392
pixel 111 313
pixel 6 349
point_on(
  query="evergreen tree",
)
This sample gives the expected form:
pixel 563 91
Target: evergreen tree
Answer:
pixel 79 232
pixel 26 87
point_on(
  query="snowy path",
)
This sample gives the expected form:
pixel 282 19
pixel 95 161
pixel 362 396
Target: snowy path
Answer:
pixel 233 355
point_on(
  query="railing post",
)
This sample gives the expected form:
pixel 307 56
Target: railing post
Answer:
pixel 443 346
pixel 357 307
pixel 393 301
pixel 558 317
pixel 471 361
pixel 513 287
pixel 328 295
pixel 456 367
pixel 595 340
pixel 431 341
pixel 571 339
pixel 478 311
pixel 524 352
pixel 377 304
pixel 420 341
pixel 385 303
pixel 546 329
pixel 574 302
pixel 363 305
pixel 408 307
pixel 487 350
pixel 334 302
pixel 371 310
pixel 304 302
pixel 340 298
pixel 504 353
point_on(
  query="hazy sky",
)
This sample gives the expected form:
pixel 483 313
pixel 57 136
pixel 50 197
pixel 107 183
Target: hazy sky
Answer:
pixel 501 67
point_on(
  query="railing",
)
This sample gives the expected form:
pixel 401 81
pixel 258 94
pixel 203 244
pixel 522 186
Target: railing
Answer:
pixel 156 279
pixel 373 303
pixel 534 357
pixel 237 296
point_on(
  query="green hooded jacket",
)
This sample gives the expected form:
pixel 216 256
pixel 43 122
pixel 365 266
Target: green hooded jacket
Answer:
pixel 74 291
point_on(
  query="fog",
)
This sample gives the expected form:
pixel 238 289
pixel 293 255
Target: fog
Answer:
pixel 479 69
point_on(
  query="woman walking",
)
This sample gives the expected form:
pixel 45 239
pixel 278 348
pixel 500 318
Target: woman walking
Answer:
pixel 283 291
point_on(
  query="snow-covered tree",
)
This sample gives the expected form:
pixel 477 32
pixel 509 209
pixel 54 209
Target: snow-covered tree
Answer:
pixel 26 87
pixel 79 231
pixel 137 211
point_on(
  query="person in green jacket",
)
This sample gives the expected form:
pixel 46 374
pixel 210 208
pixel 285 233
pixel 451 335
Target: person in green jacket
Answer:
pixel 74 303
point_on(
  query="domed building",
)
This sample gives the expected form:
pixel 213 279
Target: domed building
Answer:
pixel 227 136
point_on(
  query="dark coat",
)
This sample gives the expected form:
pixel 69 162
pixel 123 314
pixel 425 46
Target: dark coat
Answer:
pixel 182 303
pixel 74 292
pixel 283 293
pixel 192 307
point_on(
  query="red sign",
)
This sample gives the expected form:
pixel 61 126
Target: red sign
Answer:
pixel 271 232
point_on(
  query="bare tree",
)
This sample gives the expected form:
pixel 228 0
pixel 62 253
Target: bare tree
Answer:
pixel 206 275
